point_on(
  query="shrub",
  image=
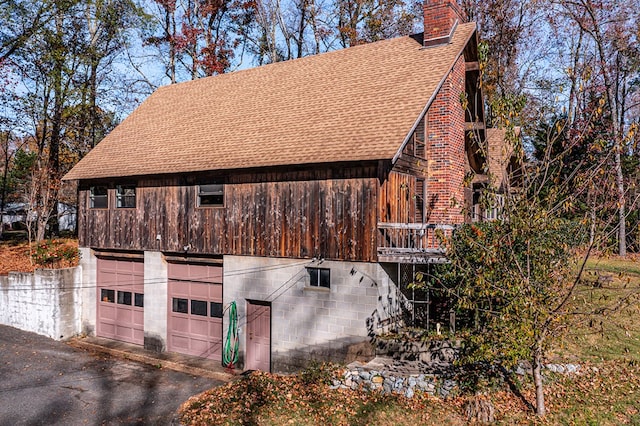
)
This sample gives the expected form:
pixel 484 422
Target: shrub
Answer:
pixel 55 253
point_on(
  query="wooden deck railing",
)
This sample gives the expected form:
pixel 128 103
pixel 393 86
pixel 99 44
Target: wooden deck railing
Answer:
pixel 412 242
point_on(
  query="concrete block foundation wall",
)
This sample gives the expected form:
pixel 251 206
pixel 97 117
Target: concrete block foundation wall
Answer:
pixel 155 301
pixel 45 302
pixel 312 323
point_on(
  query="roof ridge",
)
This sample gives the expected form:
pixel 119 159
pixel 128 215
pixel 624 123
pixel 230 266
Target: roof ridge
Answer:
pixel 290 62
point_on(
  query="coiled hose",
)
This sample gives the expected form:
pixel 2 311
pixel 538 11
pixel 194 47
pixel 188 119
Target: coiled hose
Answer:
pixel 230 350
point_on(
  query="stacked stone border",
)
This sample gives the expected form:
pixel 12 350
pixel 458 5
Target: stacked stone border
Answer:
pixel 355 376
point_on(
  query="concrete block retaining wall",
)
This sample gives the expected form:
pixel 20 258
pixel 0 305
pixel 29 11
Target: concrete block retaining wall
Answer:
pixel 46 302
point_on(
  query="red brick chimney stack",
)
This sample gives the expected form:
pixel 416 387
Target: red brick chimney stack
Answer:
pixel 440 20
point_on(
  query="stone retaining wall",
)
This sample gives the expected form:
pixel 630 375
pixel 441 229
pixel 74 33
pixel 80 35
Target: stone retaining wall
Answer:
pixel 389 382
pixel 357 376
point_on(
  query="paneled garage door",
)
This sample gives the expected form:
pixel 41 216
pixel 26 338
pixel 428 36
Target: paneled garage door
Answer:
pixel 121 300
pixel 195 310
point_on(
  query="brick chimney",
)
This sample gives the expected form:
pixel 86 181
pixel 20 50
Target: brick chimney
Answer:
pixel 440 20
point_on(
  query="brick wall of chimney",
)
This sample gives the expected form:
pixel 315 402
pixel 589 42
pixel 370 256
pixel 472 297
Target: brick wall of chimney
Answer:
pixel 446 151
pixel 439 18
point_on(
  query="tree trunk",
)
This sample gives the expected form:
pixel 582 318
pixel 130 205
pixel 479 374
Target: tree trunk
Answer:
pixel 301 27
pixel 622 215
pixel 537 380
pixel 3 191
pixel 56 125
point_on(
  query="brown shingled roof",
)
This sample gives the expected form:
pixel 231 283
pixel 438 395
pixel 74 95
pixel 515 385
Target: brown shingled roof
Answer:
pixel 354 104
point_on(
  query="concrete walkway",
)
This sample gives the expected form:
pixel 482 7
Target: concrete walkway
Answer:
pixel 192 365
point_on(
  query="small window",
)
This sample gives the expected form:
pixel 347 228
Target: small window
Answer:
pixel 419 200
pixel 126 196
pixel 180 305
pixel 216 310
pixel 211 195
pixel 124 298
pixel 319 277
pixel 419 140
pixel 138 300
pixel 98 198
pixel 199 307
pixel 108 295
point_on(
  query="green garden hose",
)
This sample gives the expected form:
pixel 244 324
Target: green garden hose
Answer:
pixel 230 350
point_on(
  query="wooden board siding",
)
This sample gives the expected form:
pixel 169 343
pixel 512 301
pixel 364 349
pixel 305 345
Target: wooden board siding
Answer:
pixel 396 202
pixel 328 214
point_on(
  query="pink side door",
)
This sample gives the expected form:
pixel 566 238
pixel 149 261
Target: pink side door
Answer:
pixel 258 336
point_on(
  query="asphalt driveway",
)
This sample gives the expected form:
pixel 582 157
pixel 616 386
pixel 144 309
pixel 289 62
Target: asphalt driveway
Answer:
pixel 44 382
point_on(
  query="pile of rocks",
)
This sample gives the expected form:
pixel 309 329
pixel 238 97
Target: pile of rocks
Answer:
pixel 358 376
pixel 524 368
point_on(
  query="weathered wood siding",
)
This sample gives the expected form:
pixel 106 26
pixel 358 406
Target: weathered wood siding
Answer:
pixel 396 202
pixel 328 214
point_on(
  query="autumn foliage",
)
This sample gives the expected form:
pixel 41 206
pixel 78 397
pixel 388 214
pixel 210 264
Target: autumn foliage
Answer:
pixel 303 399
pixel 20 257
pixel 599 393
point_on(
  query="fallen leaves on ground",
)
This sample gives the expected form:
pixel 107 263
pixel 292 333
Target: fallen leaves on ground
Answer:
pixel 16 257
pixel 269 399
pixel 604 393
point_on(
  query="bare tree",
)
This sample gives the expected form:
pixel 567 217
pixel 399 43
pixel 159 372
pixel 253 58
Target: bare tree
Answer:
pixel 611 30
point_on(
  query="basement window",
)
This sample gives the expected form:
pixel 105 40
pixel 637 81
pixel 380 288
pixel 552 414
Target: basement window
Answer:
pixel 319 277
pixel 211 195
pixel 126 197
pixel 98 198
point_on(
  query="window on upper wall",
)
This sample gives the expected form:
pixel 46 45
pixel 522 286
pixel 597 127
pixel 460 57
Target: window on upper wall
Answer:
pixel 98 197
pixel 319 277
pixel 419 146
pixel 211 195
pixel 419 200
pixel 126 197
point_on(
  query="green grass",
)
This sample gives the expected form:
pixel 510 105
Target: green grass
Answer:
pixel 615 333
pixel 627 267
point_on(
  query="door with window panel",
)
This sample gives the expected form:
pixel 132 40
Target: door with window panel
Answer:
pixel 120 311
pixel 195 310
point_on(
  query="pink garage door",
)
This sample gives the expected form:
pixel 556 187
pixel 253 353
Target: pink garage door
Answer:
pixel 195 310
pixel 121 300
